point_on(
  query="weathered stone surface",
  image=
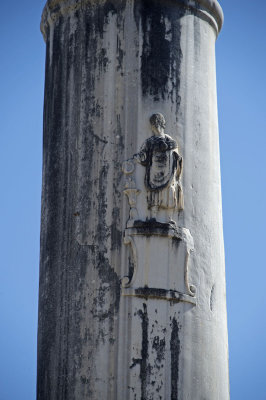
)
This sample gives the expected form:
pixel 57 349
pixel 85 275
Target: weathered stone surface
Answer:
pixel 110 65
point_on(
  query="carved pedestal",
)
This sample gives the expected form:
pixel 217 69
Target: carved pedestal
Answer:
pixel 161 262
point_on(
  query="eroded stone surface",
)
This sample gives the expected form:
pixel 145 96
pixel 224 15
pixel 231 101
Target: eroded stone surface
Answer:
pixel 109 67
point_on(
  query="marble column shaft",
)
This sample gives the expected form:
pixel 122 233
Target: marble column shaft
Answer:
pixel 110 65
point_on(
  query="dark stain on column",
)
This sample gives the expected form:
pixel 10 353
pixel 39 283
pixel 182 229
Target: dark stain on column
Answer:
pixel 212 297
pixel 175 352
pixel 145 368
pixel 66 200
pixel 105 270
pixel 53 214
pixel 161 53
pixel 159 346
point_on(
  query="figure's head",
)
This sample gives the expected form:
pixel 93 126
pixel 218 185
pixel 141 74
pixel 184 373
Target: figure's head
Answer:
pixel 157 124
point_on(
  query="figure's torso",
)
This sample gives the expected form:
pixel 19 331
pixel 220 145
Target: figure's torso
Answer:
pixel 161 169
pixel 161 162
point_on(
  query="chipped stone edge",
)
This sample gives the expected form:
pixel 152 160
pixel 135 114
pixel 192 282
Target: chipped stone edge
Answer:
pixel 209 10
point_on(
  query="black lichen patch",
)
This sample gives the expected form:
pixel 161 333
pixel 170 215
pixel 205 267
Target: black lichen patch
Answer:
pixel 175 353
pixel 109 276
pixel 176 241
pixel 161 53
pixel 145 368
pixel 156 293
pixel 103 60
pixel 131 267
pixel 151 227
pixel 120 55
pixel 151 292
pixel 116 234
pixel 159 346
pixel 102 16
pixel 212 298
pixel 106 302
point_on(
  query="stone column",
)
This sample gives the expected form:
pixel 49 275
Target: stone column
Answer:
pixel 132 282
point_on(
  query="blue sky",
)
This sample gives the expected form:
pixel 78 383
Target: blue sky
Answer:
pixel 241 80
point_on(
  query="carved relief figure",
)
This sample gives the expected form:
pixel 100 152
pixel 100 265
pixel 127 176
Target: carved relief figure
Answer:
pixel 159 155
pixel 151 221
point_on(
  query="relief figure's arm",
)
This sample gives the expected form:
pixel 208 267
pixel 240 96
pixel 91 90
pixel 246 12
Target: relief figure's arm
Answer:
pixel 141 157
pixel 178 172
pixel 179 165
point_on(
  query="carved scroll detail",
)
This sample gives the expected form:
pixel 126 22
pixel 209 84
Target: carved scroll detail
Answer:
pixel 128 167
pixel 190 288
pixel 128 281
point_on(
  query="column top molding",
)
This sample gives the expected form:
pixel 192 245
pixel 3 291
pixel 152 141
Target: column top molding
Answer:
pixel 209 10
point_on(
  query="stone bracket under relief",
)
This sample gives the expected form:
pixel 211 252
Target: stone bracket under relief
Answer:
pixel 161 258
